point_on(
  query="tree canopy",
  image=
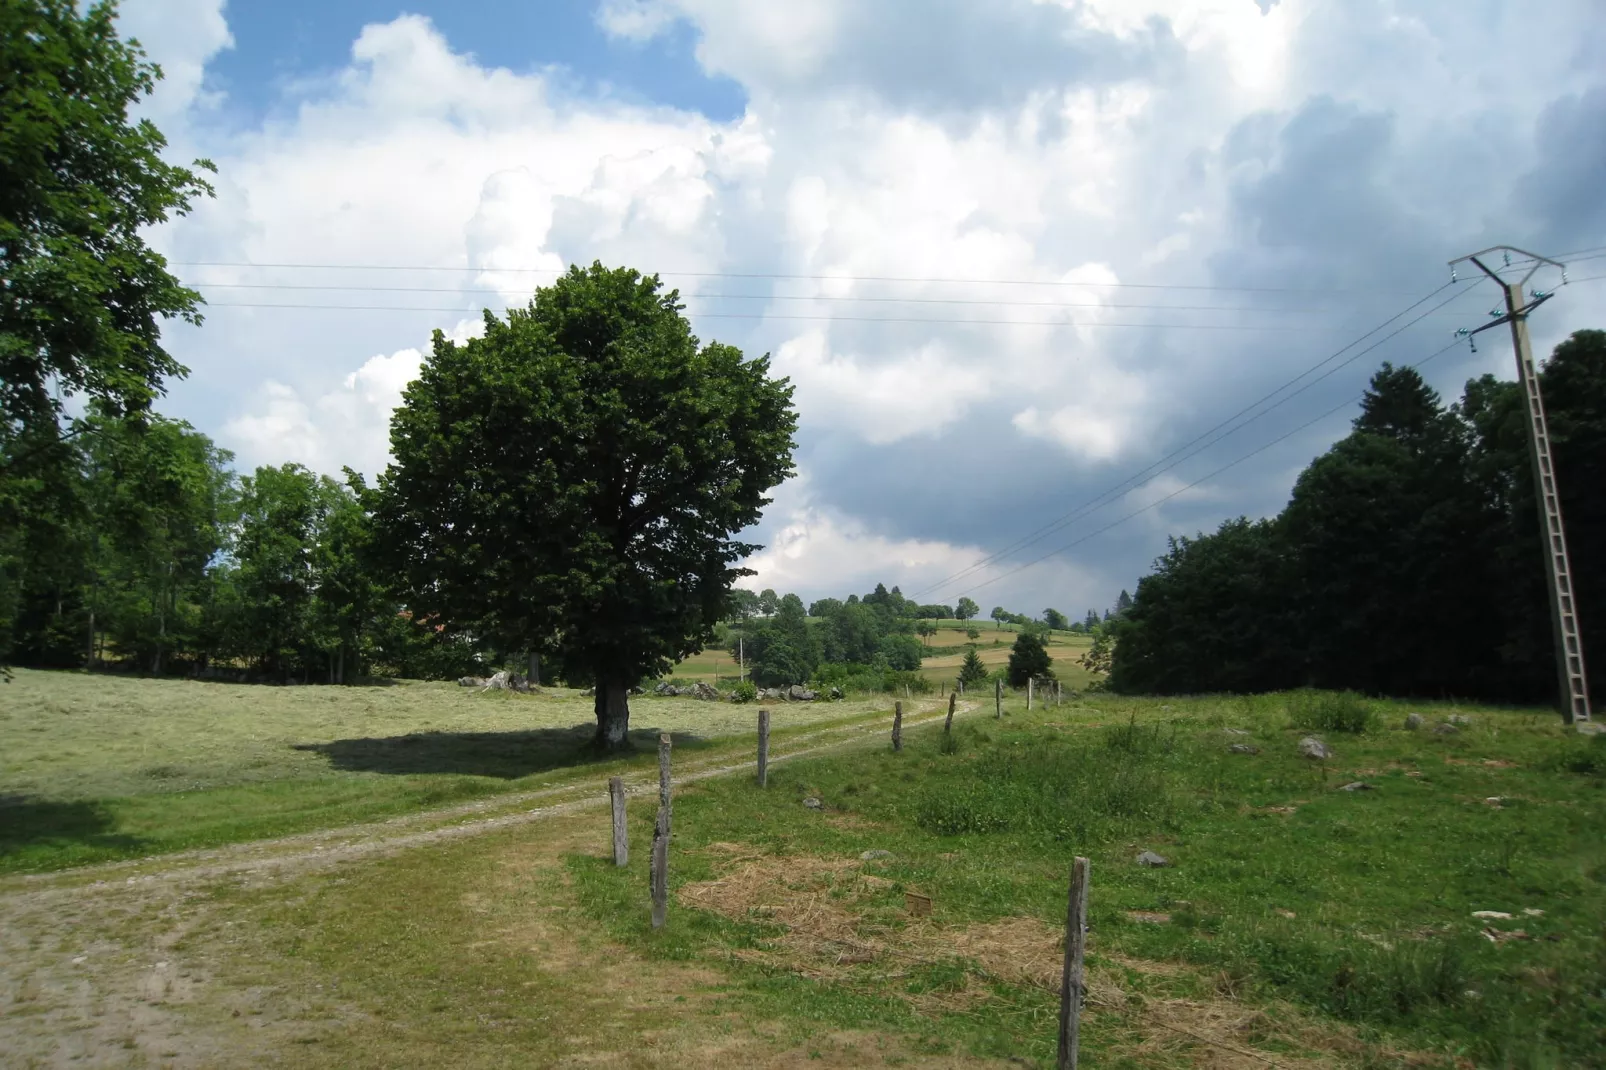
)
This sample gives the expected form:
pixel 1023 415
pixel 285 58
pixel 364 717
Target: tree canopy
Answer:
pixel 83 295
pixel 1408 560
pixel 574 479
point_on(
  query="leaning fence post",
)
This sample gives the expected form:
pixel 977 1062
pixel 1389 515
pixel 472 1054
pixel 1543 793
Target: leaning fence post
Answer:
pixel 763 747
pixel 897 726
pixel 998 700
pixel 948 725
pixel 621 832
pixel 1072 987
pixel 660 839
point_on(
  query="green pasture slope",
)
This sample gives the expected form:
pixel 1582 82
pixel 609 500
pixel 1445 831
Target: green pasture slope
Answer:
pixel 1354 911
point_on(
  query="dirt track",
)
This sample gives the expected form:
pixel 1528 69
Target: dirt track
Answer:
pixel 91 962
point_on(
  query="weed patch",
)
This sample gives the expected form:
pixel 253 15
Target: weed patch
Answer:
pixel 1331 711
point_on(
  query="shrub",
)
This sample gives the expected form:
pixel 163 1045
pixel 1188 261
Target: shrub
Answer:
pixel 746 691
pixel 1330 711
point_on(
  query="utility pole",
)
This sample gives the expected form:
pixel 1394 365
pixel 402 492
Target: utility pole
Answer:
pixel 1573 691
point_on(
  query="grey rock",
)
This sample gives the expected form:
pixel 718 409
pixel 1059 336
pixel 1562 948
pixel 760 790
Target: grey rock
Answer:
pixel 796 693
pixel 1243 748
pixel 664 688
pixel 807 695
pixel 1359 785
pixel 1445 729
pixel 500 681
pixel 705 691
pixel 836 694
pixel 871 856
pixel 1236 731
pixel 1311 747
pixel 1458 719
pixel 813 804
pixel 1149 858
pixel 1413 721
pixel 471 681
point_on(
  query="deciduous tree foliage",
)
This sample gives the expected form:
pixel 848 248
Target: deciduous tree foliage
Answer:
pixel 579 473
pixel 1408 560
pixel 83 294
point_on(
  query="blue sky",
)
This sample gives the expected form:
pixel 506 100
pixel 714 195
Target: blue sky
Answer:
pixel 1021 258
pixel 283 43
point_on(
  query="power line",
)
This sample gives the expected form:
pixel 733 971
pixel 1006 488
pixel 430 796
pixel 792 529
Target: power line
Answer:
pixel 1208 476
pixel 1108 496
pixel 1187 449
pixel 822 319
pixel 324 287
pixel 777 276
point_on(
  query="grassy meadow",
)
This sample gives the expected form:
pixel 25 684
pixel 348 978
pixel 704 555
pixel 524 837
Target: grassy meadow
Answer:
pixel 94 768
pixel 1423 897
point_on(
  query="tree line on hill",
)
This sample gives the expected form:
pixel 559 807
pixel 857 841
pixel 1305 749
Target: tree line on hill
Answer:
pixel 1408 560
pixel 869 642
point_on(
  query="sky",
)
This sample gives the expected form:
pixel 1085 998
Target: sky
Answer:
pixel 1045 274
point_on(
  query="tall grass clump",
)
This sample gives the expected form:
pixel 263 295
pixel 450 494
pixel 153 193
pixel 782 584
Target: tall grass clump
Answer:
pixel 1331 711
pixel 1078 792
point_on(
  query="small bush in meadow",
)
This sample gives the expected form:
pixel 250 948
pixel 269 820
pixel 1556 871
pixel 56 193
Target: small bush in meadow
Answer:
pixel 746 691
pixel 1331 711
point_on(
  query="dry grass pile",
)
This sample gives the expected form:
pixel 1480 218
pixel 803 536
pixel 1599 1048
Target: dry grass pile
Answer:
pixel 840 921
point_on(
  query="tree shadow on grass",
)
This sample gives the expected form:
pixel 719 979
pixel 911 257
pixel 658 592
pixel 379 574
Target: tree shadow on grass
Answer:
pixel 508 755
pixel 27 822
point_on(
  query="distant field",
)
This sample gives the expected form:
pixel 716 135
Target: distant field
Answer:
pixel 96 767
pixel 718 667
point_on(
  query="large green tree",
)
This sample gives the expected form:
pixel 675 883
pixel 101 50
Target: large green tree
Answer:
pixel 580 472
pixel 83 295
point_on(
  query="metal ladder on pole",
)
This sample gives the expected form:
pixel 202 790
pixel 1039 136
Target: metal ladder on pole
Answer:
pixel 1572 681
pixel 1570 649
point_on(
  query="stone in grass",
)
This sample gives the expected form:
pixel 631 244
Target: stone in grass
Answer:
pixel 813 804
pixel 1236 731
pixel 872 856
pixel 1413 721
pixel 1458 719
pixel 1445 730
pixel 1243 748
pixel 1149 858
pixel 1359 785
pixel 1311 747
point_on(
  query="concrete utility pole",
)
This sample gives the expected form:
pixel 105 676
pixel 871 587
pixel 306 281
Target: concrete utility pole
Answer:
pixel 1574 684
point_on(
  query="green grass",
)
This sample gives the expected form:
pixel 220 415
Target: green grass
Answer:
pixel 1381 884
pixel 98 768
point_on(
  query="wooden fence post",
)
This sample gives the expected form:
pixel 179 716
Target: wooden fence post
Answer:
pixel 1072 986
pixel 621 832
pixel 948 725
pixel 763 747
pixel 660 839
pixel 1029 682
pixel 897 726
pixel 998 700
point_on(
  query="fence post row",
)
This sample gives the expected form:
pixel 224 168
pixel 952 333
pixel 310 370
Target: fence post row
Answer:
pixel 621 832
pixel 660 839
pixel 1072 985
pixel 763 747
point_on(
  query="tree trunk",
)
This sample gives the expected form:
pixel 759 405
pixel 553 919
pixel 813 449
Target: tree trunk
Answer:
pixel 89 660
pixel 535 669
pixel 612 705
pixel 340 664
